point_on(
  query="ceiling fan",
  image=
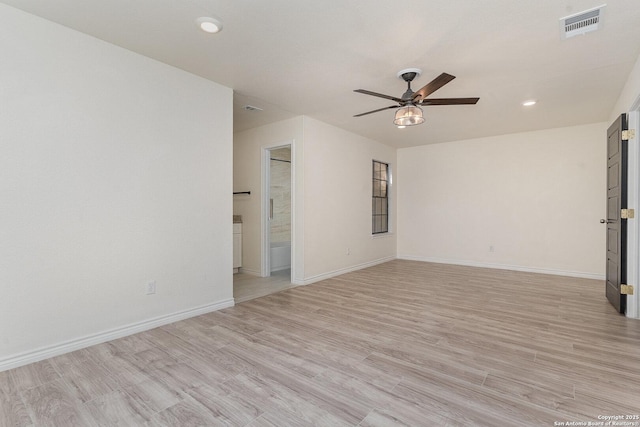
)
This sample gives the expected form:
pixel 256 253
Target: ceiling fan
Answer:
pixel 409 112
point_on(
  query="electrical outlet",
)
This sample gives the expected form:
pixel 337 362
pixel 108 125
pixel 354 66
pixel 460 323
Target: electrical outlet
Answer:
pixel 151 288
pixel 348 251
pixel 491 248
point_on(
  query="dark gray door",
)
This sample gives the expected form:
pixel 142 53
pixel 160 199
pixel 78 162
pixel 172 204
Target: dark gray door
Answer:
pixel 616 200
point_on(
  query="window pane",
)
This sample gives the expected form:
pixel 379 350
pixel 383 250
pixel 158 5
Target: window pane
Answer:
pixel 380 194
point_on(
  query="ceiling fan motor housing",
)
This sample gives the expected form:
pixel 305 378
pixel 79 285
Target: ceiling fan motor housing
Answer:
pixel 408 75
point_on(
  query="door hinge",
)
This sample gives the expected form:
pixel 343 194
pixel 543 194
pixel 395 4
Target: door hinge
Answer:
pixel 626 289
pixel 628 134
pixel 627 213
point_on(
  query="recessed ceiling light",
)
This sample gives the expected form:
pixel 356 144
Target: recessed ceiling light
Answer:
pixel 529 103
pixel 209 25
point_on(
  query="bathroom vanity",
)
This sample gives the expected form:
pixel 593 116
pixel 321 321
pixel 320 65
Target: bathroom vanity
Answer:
pixel 237 243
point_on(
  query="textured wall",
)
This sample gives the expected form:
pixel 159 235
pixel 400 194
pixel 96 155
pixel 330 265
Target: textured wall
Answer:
pixel 528 201
pixel 115 172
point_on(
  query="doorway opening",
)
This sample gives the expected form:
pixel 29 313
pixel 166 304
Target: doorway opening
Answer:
pixel 277 211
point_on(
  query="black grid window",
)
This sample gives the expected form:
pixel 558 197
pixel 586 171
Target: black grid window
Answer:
pixel 380 200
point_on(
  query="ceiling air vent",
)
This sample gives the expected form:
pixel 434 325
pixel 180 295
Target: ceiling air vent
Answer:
pixel 252 108
pixel 582 23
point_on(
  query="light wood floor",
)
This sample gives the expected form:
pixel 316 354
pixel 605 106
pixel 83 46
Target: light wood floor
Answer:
pixel 247 286
pixel 400 344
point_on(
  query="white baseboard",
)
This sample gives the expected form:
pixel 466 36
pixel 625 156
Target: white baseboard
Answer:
pixel 285 267
pixel 505 267
pixel 330 274
pixel 89 340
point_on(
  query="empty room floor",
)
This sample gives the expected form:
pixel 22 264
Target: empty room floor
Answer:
pixel 247 286
pixel 403 343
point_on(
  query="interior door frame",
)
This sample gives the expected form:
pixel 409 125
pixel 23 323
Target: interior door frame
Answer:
pixel 617 194
pixel 265 229
pixel 633 202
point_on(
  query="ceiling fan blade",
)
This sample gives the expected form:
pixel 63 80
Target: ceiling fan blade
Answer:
pixel 375 111
pixel 432 86
pixel 449 101
pixel 379 95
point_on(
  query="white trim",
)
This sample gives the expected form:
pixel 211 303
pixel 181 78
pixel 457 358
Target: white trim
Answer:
pixel 265 226
pixel 504 267
pixel 330 274
pixel 382 235
pixel 633 202
pixel 42 353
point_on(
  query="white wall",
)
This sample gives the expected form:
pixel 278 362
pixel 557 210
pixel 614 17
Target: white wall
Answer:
pixel 535 197
pixel 115 171
pixel 629 94
pixel 332 184
pixel 337 201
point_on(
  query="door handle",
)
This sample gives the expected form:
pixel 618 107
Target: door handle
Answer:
pixel 607 221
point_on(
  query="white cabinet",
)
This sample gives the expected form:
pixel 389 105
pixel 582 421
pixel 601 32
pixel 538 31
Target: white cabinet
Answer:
pixel 237 247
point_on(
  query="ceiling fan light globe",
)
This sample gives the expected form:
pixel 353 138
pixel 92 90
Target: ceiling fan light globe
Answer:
pixel 409 115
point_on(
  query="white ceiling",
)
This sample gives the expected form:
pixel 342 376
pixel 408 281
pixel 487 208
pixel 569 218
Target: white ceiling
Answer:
pixel 294 57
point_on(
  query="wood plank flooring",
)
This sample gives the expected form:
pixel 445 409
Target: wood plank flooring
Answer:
pixel 400 344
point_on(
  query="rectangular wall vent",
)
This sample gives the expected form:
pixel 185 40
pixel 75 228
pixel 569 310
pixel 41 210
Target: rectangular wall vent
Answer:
pixel 581 23
pixel 252 108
